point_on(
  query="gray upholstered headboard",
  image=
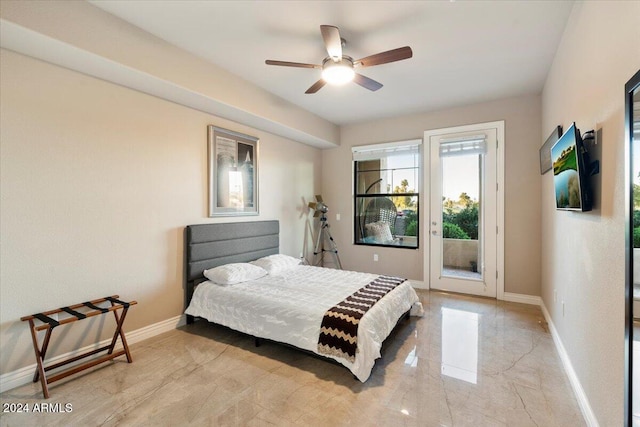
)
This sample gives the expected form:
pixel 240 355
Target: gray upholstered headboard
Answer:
pixel 212 245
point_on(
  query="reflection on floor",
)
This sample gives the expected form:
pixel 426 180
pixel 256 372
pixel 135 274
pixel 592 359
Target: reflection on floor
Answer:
pixel 467 362
pixel 460 344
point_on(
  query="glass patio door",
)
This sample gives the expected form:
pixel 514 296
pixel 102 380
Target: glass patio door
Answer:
pixel 463 211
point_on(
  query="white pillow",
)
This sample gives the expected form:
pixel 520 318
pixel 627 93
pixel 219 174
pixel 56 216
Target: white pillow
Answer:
pixel 229 274
pixel 380 231
pixel 275 264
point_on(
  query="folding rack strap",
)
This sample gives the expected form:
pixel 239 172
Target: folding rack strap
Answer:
pixel 49 323
pixel 80 316
pixel 115 301
pixel 46 319
pixel 95 307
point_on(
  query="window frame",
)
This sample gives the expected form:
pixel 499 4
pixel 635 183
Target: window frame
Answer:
pixel 359 197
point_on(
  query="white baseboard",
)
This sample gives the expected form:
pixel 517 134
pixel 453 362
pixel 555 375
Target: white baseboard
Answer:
pixel 581 396
pixel 507 296
pixel 522 298
pixel 156 329
pixel 24 375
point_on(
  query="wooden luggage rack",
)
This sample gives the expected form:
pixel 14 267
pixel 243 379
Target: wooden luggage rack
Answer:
pixel 49 323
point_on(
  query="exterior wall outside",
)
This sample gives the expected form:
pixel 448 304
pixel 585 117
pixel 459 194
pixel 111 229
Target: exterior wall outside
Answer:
pixel 459 253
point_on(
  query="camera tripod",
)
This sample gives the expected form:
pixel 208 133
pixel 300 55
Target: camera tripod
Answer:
pixel 324 236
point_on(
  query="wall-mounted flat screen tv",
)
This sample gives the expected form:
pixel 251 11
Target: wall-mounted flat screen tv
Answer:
pixel 570 176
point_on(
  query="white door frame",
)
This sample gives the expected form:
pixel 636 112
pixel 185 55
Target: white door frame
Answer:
pixel 424 237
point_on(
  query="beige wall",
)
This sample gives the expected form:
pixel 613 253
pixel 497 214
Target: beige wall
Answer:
pixel 97 184
pixel 522 188
pixel 583 253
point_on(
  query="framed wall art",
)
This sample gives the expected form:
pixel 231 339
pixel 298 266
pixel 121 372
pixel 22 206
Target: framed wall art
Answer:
pixel 545 150
pixel 233 173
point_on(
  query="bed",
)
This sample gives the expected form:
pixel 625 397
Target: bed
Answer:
pixel 289 303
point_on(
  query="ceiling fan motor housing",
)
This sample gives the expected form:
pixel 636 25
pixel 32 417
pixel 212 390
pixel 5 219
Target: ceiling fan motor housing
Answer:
pixel 338 73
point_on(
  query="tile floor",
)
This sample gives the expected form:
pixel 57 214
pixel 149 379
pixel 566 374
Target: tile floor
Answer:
pixel 467 362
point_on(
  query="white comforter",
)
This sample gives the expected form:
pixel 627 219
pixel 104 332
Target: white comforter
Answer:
pixel 289 307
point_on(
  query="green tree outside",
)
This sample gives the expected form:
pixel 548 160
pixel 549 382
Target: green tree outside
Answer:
pixel 405 203
pixel 462 213
pixel 453 231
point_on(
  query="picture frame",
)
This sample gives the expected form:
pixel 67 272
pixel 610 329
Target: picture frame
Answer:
pixel 545 151
pixel 233 173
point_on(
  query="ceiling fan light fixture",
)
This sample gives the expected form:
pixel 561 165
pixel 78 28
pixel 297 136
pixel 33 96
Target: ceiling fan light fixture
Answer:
pixel 338 73
pixel 338 69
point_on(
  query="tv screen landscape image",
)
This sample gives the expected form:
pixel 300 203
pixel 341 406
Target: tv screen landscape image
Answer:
pixel 566 170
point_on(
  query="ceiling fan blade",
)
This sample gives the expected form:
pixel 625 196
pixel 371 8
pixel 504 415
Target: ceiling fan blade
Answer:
pixel 316 86
pixel 319 198
pixel 366 82
pixel 385 57
pixel 332 41
pixel 317 214
pixel 291 64
pixel 312 205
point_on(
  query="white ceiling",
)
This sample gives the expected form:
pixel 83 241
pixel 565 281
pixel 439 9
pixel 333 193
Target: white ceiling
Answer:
pixel 463 51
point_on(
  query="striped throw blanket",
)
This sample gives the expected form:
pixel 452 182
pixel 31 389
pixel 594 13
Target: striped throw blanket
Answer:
pixel 339 328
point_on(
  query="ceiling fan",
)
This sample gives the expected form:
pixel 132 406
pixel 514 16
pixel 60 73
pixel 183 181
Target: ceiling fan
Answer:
pixel 339 69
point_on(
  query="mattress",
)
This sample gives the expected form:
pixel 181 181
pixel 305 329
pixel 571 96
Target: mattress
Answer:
pixel 288 307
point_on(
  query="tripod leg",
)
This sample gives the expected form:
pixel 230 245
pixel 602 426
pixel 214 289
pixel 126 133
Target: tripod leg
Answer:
pixel 318 249
pixel 334 249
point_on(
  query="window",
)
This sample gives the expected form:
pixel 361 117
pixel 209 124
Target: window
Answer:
pixel 386 194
